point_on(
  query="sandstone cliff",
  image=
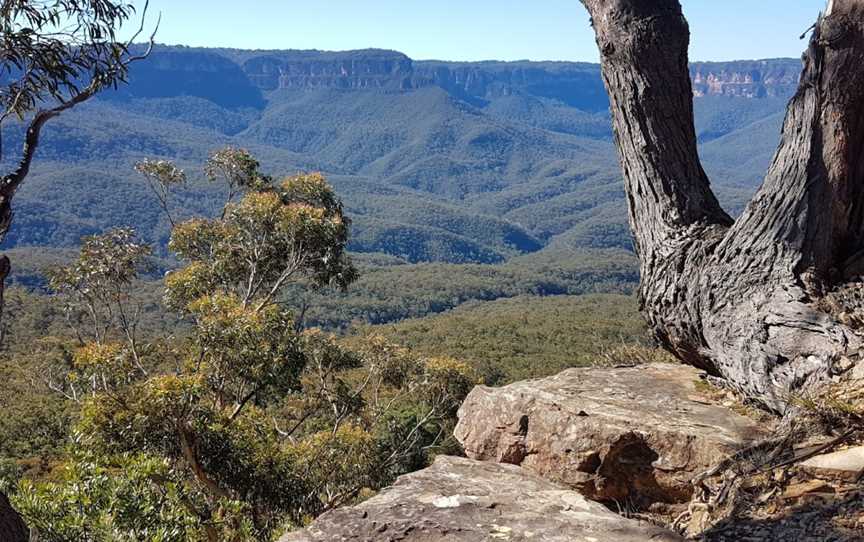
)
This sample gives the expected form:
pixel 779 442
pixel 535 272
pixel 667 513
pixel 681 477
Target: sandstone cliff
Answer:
pixel 777 78
pixel 624 435
pixel 236 78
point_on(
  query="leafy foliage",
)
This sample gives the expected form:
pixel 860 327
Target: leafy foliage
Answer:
pixel 247 423
pixel 528 336
pixel 51 47
pixel 117 503
pixel 395 292
pixel 270 237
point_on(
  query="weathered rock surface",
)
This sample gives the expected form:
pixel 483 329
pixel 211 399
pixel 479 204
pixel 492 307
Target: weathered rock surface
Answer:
pixel 12 527
pixel 460 500
pixel 746 79
pixel 632 436
pixel 847 465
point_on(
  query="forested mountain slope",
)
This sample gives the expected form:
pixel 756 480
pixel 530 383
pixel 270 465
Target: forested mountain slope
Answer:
pixel 435 161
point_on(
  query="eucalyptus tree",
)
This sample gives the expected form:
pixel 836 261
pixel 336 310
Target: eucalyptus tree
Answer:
pixel 245 423
pixel 55 56
pixel 766 301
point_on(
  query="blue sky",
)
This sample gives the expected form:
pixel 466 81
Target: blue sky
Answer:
pixel 472 29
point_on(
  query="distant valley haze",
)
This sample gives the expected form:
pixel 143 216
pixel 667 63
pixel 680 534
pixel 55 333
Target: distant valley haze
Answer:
pixel 436 161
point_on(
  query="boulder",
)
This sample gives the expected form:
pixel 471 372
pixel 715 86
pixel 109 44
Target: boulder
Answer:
pixel 460 500
pixel 629 437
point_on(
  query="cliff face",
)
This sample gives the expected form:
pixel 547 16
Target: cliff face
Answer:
pixel 576 84
pixel 234 78
pixel 351 70
pixel 746 79
pixel 391 70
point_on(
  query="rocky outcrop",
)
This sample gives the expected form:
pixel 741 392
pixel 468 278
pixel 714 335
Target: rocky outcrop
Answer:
pixel 575 83
pixel 318 69
pixel 625 436
pixel 845 464
pixel 12 527
pixel 746 79
pixel 460 500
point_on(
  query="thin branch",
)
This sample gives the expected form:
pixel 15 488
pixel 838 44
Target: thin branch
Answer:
pixel 810 453
pixel 239 408
pixel 10 183
pixel 287 273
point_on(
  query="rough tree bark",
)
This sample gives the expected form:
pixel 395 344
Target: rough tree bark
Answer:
pixel 743 299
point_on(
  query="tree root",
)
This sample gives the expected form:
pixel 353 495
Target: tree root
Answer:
pixel 721 499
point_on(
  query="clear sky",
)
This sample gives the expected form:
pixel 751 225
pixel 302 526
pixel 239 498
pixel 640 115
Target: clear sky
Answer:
pixel 472 29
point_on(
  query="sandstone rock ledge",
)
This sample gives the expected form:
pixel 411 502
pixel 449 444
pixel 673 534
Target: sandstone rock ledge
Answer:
pixel 460 500
pixel 632 436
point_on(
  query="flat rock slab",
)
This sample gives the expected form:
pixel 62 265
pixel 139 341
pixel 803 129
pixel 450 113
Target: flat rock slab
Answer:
pixel 847 465
pixel 635 435
pixel 460 500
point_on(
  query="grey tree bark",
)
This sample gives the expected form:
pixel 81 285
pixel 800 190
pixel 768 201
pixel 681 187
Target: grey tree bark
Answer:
pixel 746 300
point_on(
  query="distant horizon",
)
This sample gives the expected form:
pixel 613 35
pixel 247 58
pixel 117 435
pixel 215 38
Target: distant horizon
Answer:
pixel 449 61
pixel 453 31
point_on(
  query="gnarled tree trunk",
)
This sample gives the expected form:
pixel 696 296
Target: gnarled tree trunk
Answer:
pixel 746 299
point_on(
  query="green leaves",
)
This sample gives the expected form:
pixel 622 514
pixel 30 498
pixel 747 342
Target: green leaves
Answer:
pixel 115 502
pixel 237 167
pixel 243 351
pixel 247 422
pixel 446 382
pixel 105 262
pixel 163 172
pixel 336 465
pixel 50 48
pixel 272 237
pixel 162 176
pixel 96 287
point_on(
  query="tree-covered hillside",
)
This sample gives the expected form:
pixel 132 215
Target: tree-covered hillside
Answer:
pixel 436 161
pixel 529 337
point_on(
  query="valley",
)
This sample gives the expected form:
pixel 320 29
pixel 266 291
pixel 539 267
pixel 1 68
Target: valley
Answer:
pixel 485 241
pixel 435 161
